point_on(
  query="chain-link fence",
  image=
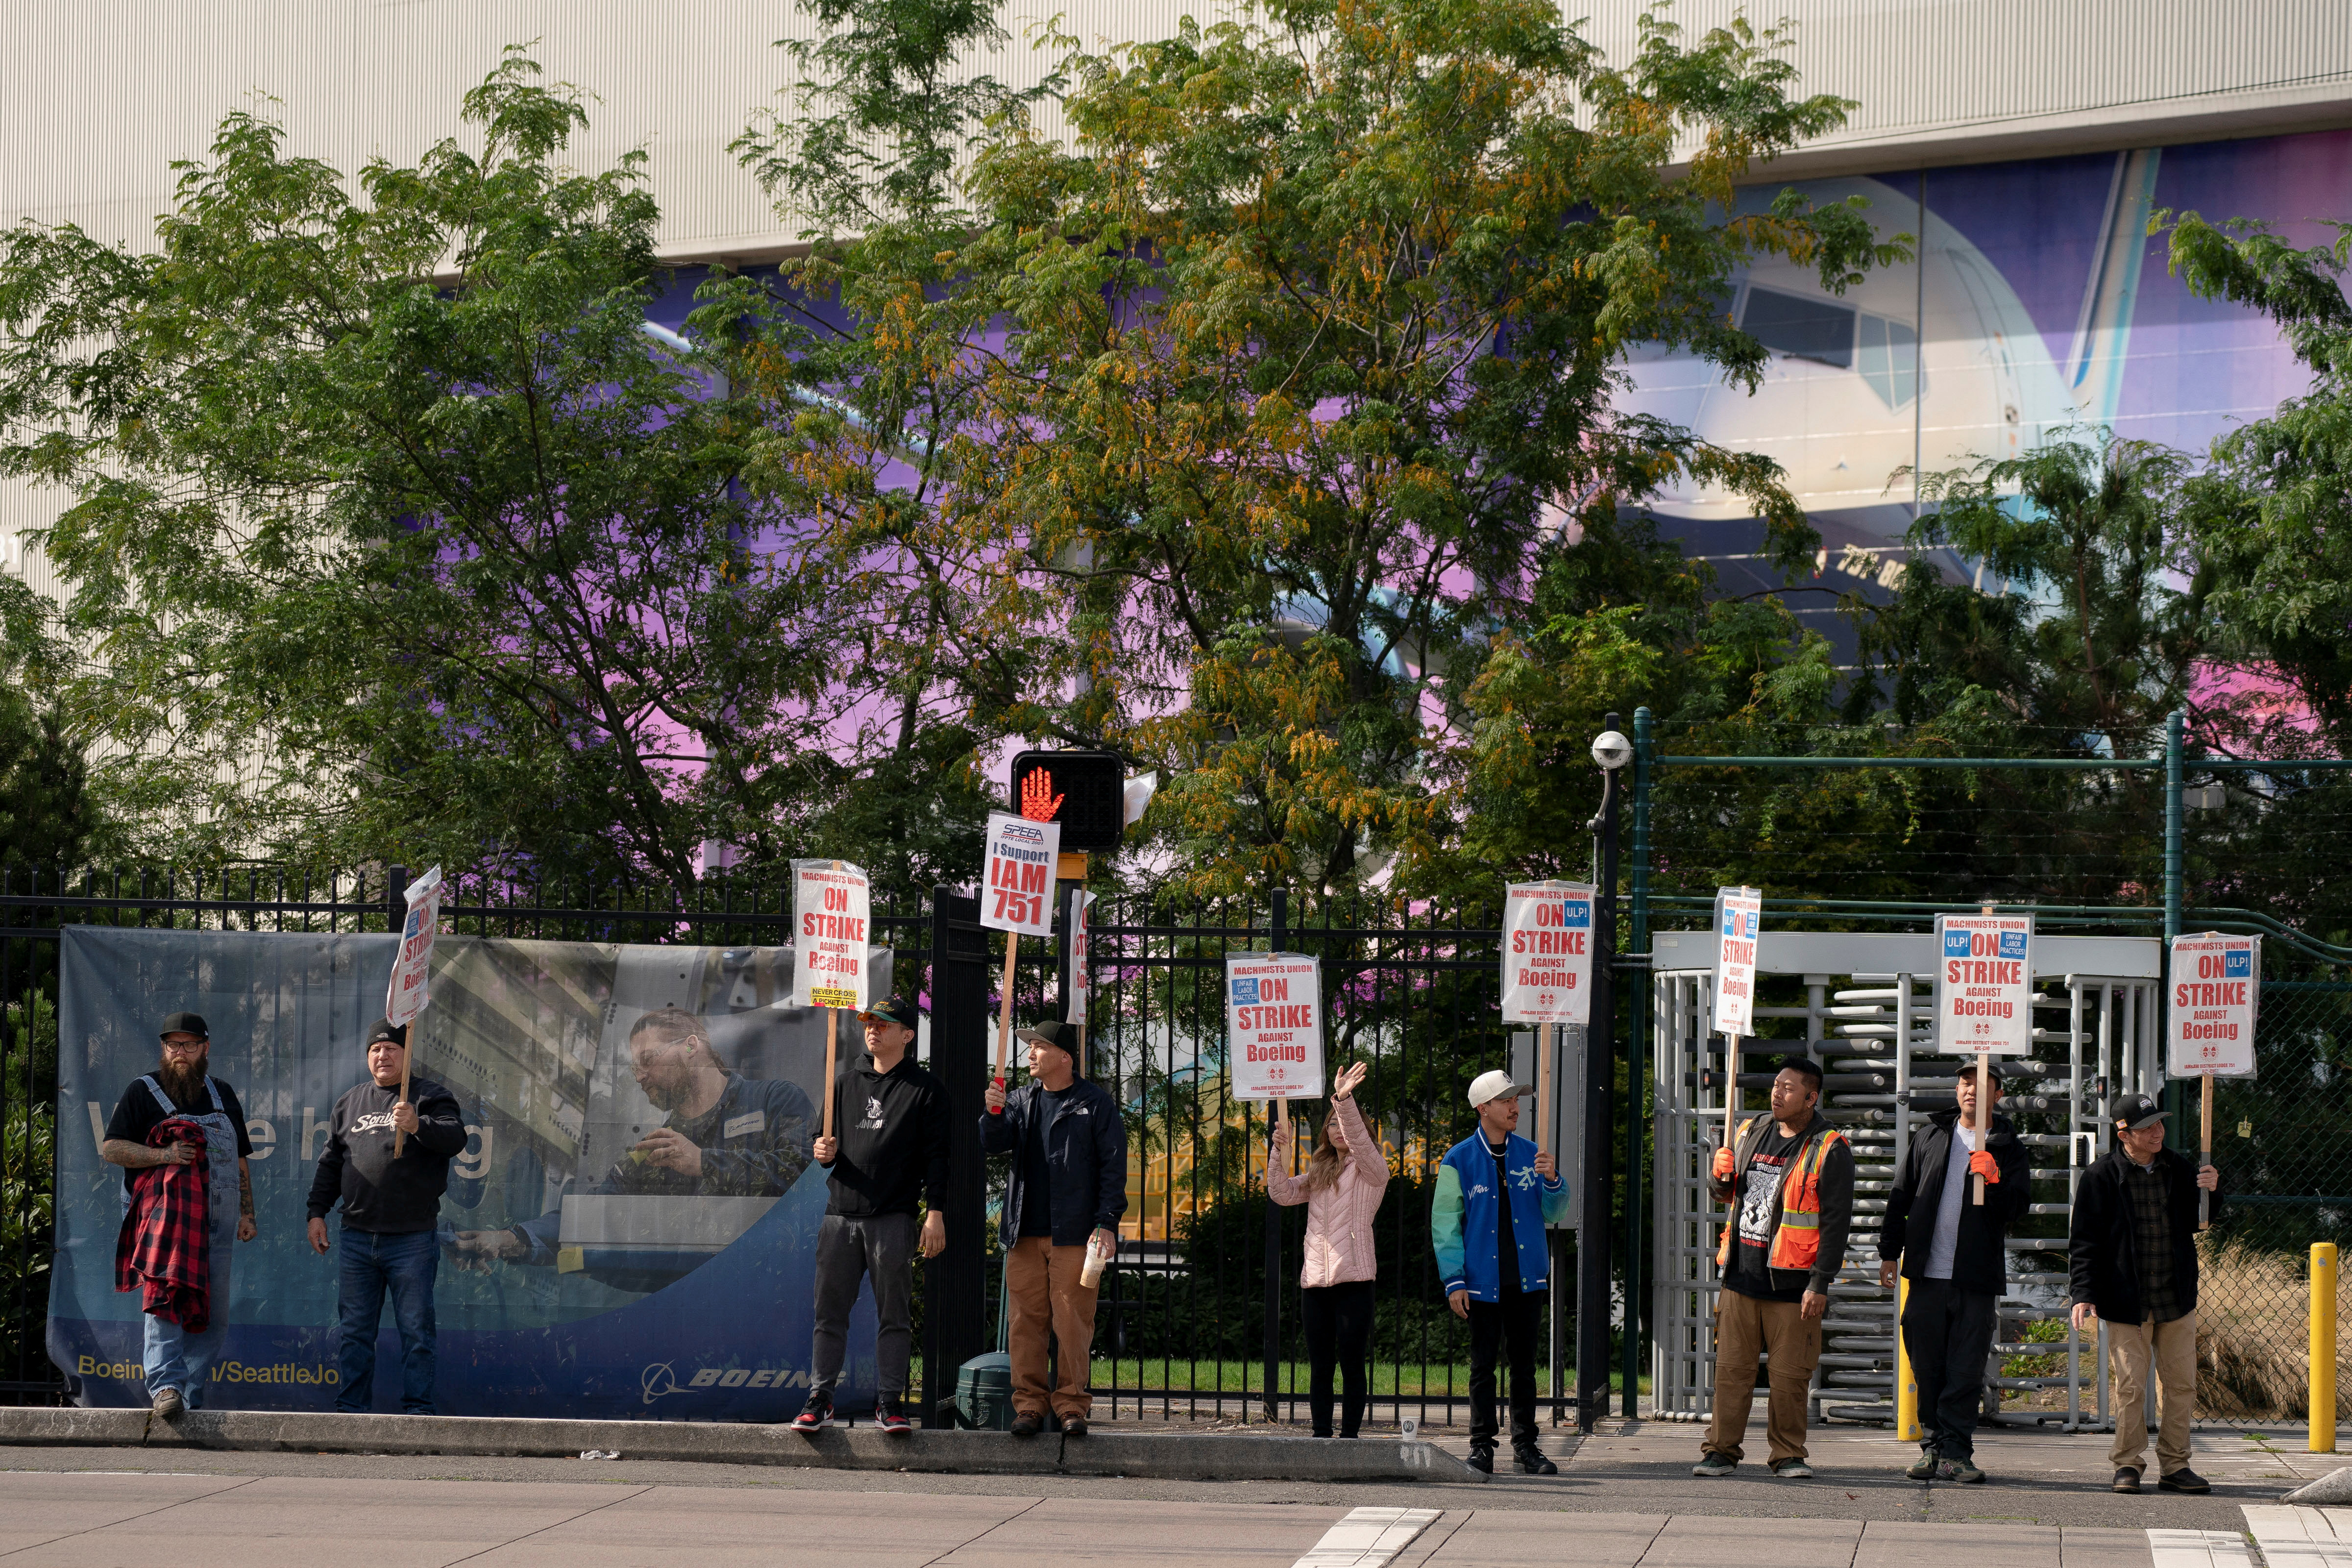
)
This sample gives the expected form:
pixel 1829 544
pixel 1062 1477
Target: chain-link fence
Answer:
pixel 2282 1142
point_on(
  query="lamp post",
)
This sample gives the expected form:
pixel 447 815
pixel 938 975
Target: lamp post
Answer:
pixel 1611 751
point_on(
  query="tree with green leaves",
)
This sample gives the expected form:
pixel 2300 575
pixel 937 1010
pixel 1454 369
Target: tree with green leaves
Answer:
pixel 393 534
pixel 1218 435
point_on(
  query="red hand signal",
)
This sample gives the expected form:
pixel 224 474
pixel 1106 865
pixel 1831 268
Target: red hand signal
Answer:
pixel 1034 788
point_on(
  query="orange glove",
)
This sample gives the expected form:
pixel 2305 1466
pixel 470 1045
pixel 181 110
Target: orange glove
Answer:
pixel 1722 1167
pixel 1983 1163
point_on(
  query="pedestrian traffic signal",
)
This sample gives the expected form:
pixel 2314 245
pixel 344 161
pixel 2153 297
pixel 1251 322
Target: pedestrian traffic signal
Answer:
pixel 1083 791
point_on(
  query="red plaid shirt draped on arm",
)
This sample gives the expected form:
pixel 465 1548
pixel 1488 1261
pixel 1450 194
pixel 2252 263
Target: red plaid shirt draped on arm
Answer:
pixel 165 1246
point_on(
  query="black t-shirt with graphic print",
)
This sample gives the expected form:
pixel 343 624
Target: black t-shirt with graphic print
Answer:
pixel 1758 1218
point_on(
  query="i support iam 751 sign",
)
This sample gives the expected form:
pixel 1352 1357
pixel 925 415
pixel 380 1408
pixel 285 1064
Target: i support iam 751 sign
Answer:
pixel 1984 984
pixel 1274 1012
pixel 1547 952
pixel 1017 892
pixel 2216 987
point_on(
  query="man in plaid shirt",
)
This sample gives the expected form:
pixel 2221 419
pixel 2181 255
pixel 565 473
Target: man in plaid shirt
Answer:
pixel 160 1212
pixel 2132 1255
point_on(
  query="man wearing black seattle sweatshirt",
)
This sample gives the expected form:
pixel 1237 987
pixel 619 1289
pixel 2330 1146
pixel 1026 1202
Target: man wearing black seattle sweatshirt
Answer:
pixel 889 1150
pixel 390 1210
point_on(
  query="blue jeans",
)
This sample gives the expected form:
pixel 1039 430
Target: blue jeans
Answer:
pixel 405 1263
pixel 177 1359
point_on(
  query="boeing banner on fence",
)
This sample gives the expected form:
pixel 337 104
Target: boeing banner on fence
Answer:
pixel 629 1231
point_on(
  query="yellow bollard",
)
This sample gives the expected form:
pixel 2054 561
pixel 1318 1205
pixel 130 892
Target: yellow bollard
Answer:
pixel 1906 1387
pixel 2323 1347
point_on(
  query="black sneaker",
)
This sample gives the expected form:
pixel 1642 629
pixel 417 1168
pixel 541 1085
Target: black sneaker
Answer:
pixel 2127 1479
pixel 1531 1462
pixel 1481 1459
pixel 817 1413
pixel 1028 1424
pixel 890 1418
pixel 2183 1479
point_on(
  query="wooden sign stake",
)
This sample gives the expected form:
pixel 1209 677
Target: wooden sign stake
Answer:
pixel 1984 1118
pixel 408 1059
pixel 1731 1086
pixel 1543 1090
pixel 2205 1150
pixel 832 1054
pixel 1004 1014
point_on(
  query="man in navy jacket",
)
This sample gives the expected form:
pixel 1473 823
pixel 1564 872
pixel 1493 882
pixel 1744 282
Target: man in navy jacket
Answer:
pixel 1067 1191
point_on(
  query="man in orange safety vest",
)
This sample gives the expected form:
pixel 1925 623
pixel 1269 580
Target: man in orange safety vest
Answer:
pixel 1789 1178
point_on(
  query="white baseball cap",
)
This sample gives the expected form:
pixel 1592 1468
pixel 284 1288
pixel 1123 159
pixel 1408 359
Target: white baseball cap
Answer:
pixel 1496 1085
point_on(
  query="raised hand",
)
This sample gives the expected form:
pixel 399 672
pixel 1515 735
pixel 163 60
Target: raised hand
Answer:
pixel 1349 1077
pixel 1033 791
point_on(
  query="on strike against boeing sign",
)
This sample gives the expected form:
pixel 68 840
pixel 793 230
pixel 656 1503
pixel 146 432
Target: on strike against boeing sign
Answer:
pixel 1274 1016
pixel 2216 986
pixel 831 910
pixel 1548 954
pixel 1738 928
pixel 1984 984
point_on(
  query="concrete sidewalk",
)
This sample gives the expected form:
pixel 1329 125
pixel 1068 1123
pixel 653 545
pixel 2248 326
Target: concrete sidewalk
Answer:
pixel 89 1520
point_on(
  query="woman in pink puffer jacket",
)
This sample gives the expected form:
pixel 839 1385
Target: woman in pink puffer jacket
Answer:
pixel 1346 1176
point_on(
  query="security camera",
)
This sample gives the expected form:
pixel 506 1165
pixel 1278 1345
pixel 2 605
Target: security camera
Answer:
pixel 1613 750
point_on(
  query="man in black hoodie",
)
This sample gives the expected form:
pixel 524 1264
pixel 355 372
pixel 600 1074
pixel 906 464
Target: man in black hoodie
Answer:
pixel 889 1150
pixel 391 1209
pixel 2131 1253
pixel 1950 1250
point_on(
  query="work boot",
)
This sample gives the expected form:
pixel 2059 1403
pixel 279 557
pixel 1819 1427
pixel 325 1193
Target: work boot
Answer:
pixel 2127 1479
pixel 1923 1468
pixel 168 1403
pixel 1074 1426
pixel 1532 1461
pixel 1028 1424
pixel 1482 1458
pixel 2183 1479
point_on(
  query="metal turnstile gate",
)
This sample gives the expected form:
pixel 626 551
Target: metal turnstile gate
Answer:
pixel 1865 1018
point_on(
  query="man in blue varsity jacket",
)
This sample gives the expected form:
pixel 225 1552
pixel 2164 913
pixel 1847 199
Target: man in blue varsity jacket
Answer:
pixel 1496 1261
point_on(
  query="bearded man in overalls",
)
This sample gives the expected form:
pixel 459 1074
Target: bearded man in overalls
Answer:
pixel 178 1360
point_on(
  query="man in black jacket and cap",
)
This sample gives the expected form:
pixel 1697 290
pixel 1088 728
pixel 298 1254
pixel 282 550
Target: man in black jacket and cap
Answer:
pixel 2131 1252
pixel 1067 1191
pixel 392 1207
pixel 1951 1249
pixel 888 1154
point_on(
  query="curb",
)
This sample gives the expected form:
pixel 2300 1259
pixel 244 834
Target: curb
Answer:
pixel 2335 1487
pixel 1221 1456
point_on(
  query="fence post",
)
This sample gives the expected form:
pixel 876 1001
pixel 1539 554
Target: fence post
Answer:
pixel 1637 1099
pixel 1280 911
pixel 1600 1051
pixel 955 1283
pixel 395 899
pixel 2175 1100
pixel 2323 1347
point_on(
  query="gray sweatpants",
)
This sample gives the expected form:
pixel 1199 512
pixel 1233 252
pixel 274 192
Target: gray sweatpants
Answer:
pixel 882 1249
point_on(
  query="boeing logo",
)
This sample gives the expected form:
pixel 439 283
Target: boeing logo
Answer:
pixel 660 1379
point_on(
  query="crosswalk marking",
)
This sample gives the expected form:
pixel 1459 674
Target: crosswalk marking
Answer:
pixel 2293 1537
pixel 2199 1549
pixel 1367 1538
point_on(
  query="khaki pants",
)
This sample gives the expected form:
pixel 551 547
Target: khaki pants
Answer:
pixel 1745 1328
pixel 2173 1347
pixel 1043 1279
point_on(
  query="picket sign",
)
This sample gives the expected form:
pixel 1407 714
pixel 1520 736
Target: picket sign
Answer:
pixel 1016 897
pixel 833 911
pixel 1738 922
pixel 1984 998
pixel 1274 1018
pixel 2210 1025
pixel 405 997
pixel 1547 972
